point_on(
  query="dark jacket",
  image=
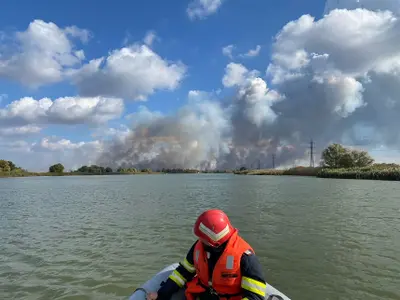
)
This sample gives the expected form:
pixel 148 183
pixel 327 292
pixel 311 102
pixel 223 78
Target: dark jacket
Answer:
pixel 249 264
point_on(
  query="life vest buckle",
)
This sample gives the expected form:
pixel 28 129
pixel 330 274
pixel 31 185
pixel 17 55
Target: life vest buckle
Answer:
pixel 213 292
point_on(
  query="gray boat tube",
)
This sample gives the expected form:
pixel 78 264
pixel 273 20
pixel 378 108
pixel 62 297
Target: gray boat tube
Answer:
pixel 154 284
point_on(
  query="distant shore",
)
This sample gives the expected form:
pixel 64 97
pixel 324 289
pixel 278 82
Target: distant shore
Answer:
pixel 390 172
pixel 20 173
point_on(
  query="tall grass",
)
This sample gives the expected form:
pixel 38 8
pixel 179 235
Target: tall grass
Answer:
pixel 374 172
pixel 371 173
pixel 297 171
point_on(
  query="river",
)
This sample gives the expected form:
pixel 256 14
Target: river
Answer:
pixel 100 237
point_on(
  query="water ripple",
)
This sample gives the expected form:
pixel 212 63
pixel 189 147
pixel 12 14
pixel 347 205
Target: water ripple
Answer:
pixel 100 237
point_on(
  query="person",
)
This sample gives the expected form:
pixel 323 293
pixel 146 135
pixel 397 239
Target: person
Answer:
pixel 219 265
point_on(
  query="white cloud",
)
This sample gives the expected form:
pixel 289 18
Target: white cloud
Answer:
pixel 8 148
pixel 143 116
pixel 150 38
pixel 373 5
pixel 201 9
pixel 338 73
pixel 255 99
pixel 133 72
pixel 235 74
pixel 111 132
pixel 227 51
pixel 252 52
pixel 337 43
pixel 66 110
pixel 41 54
pixel 196 95
pixel 19 131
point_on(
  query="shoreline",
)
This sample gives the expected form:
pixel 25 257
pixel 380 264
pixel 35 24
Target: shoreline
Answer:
pixel 379 172
pixel 49 174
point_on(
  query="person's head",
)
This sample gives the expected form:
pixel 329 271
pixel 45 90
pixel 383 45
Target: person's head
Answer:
pixel 213 229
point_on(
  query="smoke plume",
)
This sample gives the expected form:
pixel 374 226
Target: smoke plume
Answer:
pixel 335 79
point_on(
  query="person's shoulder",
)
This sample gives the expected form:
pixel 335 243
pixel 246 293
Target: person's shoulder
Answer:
pixel 248 252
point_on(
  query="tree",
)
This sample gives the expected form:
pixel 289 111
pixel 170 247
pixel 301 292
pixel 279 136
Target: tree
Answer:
pixel 337 156
pixel 4 166
pixel 57 168
pixel 12 165
pixel 332 155
pixel 361 159
pixel 108 170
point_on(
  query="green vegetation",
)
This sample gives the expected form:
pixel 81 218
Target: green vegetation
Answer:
pixel 8 169
pixel 297 171
pixel 336 156
pixel 338 162
pixel 374 172
pixel 57 168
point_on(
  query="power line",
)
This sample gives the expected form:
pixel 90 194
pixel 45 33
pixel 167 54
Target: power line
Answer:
pixel 312 153
pixel 273 161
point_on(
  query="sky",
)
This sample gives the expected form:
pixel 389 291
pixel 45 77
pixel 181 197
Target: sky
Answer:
pixel 197 83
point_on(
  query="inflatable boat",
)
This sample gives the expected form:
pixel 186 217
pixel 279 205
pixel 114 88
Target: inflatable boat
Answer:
pixel 154 284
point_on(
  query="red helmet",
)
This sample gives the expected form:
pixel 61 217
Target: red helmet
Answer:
pixel 213 227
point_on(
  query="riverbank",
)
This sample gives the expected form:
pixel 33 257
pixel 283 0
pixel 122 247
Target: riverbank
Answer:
pixel 390 172
pixel 19 173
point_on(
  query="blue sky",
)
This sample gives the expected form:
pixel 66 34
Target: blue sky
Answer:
pixel 196 43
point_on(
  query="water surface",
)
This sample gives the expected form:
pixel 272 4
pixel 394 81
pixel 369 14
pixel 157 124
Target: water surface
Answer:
pixel 100 237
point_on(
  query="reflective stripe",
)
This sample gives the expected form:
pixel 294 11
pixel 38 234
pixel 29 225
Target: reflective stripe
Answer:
pixel 254 286
pixel 196 255
pixel 229 262
pixel 188 266
pixel 177 278
pixel 245 298
pixel 212 235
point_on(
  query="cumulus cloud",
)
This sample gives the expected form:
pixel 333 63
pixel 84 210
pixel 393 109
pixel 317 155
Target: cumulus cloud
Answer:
pixel 41 54
pixel 201 9
pixel 332 81
pixel 47 54
pixel 372 5
pixel 235 74
pixel 132 72
pixel 326 87
pixel 65 110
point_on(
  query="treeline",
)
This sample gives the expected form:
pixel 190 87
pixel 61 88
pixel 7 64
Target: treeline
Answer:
pixel 8 166
pixel 338 162
pixel 9 169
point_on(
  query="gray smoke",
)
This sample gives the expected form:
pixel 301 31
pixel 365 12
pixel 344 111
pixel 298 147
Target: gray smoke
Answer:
pixel 336 79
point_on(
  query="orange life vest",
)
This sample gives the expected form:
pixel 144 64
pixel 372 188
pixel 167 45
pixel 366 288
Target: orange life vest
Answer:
pixel 226 277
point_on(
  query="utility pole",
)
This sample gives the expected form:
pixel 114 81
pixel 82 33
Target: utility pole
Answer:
pixel 273 161
pixel 312 147
pixel 259 164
